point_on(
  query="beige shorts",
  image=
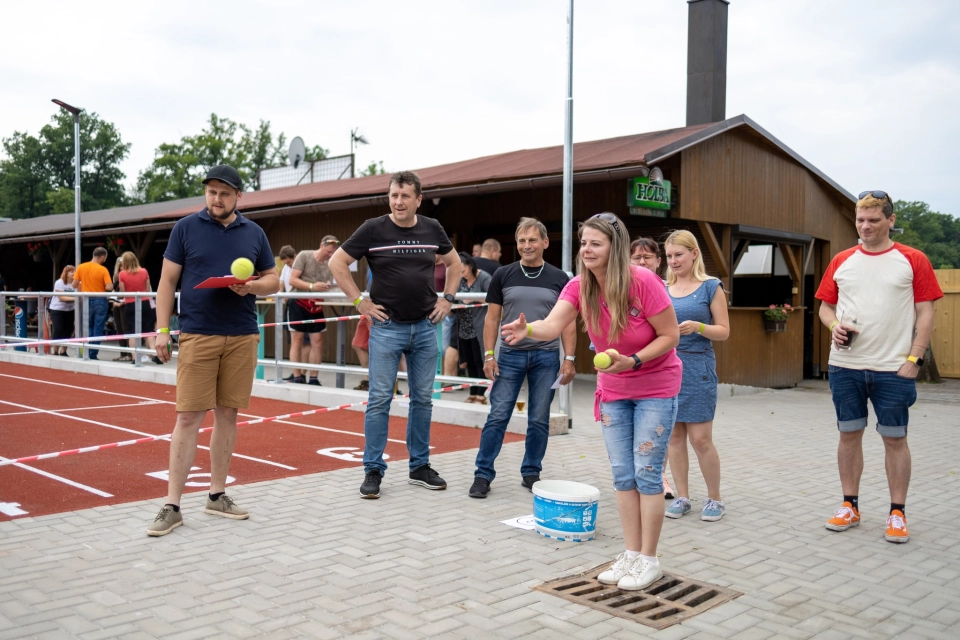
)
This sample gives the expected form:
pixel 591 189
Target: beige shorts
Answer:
pixel 215 371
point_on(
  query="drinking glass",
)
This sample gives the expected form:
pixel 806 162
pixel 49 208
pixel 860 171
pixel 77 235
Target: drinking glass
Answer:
pixel 521 401
pixel 850 324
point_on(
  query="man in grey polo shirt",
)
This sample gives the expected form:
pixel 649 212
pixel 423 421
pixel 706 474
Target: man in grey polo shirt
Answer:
pixel 531 287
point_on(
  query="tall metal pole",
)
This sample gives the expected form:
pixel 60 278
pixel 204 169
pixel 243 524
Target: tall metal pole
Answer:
pixel 566 392
pixel 77 316
pixel 76 187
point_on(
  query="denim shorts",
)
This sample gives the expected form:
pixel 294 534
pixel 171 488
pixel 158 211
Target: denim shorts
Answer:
pixel 636 433
pixel 891 395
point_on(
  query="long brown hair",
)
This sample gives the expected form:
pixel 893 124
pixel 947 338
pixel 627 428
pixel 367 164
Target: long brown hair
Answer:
pixel 63 274
pixel 619 278
pixel 130 262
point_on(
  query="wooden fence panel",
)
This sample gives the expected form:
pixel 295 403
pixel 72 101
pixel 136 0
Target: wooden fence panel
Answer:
pixel 946 331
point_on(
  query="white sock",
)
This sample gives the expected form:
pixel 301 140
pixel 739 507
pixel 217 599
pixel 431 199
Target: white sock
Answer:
pixel 650 559
pixel 632 554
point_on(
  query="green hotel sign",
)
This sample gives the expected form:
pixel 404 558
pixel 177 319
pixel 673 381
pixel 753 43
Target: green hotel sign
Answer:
pixel 644 194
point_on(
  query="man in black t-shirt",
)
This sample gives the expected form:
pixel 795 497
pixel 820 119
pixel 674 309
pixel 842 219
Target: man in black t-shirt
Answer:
pixel 530 287
pixel 403 310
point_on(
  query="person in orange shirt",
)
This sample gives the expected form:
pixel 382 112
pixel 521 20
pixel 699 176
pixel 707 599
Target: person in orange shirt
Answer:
pixel 93 277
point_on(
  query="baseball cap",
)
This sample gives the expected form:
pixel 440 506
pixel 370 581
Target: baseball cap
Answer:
pixel 225 174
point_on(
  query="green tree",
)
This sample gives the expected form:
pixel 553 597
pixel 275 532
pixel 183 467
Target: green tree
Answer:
pixel 37 175
pixel 936 234
pixel 373 169
pixel 178 168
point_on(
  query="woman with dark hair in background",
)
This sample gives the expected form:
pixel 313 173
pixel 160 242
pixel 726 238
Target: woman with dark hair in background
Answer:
pixel 645 252
pixel 62 309
pixel 472 280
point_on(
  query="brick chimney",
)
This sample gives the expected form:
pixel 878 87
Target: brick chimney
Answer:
pixel 706 61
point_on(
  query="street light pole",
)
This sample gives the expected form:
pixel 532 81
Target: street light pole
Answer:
pixel 566 392
pixel 76 196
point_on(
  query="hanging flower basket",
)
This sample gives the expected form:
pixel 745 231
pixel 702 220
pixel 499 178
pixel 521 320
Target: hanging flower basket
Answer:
pixel 37 249
pixel 116 245
pixel 774 326
pixel 775 318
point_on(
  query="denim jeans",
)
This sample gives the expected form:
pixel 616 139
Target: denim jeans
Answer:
pixel 636 433
pixel 540 367
pixel 418 342
pixel 97 320
pixel 891 395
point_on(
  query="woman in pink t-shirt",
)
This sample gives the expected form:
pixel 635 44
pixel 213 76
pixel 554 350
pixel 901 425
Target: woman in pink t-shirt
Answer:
pixel 625 308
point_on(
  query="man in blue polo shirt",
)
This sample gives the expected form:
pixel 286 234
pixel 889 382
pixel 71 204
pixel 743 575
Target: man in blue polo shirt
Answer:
pixel 218 336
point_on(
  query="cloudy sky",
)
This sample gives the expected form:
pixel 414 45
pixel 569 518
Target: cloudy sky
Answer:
pixel 866 90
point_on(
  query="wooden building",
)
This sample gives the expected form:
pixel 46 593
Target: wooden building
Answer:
pixel 731 183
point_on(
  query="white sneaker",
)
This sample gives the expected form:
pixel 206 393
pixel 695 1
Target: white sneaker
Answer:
pixel 641 575
pixel 619 568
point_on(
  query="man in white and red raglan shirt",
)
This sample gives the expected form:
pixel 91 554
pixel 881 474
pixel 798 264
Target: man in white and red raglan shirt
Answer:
pixel 878 303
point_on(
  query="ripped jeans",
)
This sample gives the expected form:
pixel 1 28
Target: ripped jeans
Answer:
pixel 637 433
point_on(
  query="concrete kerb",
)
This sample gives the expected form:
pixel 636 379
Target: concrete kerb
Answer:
pixel 445 411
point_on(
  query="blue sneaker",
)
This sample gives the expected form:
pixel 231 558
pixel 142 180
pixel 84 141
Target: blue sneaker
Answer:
pixel 712 510
pixel 677 508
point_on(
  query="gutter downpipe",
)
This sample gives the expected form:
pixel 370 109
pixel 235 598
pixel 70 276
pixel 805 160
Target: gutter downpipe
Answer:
pixel 566 392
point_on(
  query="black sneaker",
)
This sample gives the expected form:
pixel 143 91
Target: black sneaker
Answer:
pixel 363 386
pixel 480 488
pixel 529 481
pixel 298 380
pixel 425 476
pixel 371 485
pixel 315 382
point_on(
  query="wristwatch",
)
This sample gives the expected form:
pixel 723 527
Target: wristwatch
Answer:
pixel 449 298
pixel 570 358
pixel 638 361
pixel 915 360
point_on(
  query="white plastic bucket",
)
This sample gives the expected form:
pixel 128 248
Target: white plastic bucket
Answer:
pixel 565 510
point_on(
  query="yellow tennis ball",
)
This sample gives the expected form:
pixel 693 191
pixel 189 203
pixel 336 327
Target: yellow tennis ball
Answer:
pixel 612 352
pixel 242 268
pixel 602 361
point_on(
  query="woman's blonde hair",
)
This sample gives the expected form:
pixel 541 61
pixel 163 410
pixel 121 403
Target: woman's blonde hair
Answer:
pixel 63 274
pixel 619 279
pixel 130 262
pixel 684 238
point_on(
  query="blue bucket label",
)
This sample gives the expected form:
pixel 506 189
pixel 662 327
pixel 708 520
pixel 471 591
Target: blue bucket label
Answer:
pixel 572 517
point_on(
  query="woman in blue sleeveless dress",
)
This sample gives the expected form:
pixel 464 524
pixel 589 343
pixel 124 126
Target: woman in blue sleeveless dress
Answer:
pixel 701 308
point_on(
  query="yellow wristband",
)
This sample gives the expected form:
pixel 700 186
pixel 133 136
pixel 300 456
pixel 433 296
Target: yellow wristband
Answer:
pixel 912 359
pixel 833 324
pixel 488 353
pixel 700 330
pixel 529 330
pixel 163 330
pixel 357 302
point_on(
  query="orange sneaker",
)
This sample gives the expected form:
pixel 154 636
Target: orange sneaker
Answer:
pixel 844 518
pixel 897 527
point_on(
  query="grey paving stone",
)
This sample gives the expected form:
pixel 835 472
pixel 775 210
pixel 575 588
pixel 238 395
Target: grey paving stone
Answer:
pixel 438 564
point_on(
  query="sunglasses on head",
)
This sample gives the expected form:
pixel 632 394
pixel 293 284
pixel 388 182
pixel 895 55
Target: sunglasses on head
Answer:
pixel 879 195
pixel 332 242
pixel 608 217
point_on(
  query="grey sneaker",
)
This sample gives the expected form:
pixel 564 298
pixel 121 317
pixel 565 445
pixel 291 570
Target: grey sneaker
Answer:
pixel 677 508
pixel 713 510
pixel 226 507
pixel 165 522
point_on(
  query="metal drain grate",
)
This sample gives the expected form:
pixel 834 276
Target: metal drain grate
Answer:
pixel 669 600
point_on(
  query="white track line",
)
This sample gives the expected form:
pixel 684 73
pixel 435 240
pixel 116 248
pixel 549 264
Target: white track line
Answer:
pixel 106 406
pixel 245 415
pixel 134 431
pixel 72 483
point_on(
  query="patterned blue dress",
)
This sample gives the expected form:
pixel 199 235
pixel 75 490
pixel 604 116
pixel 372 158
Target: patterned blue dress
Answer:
pixel 697 401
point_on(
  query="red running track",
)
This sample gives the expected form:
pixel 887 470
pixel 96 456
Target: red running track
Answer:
pixel 44 410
